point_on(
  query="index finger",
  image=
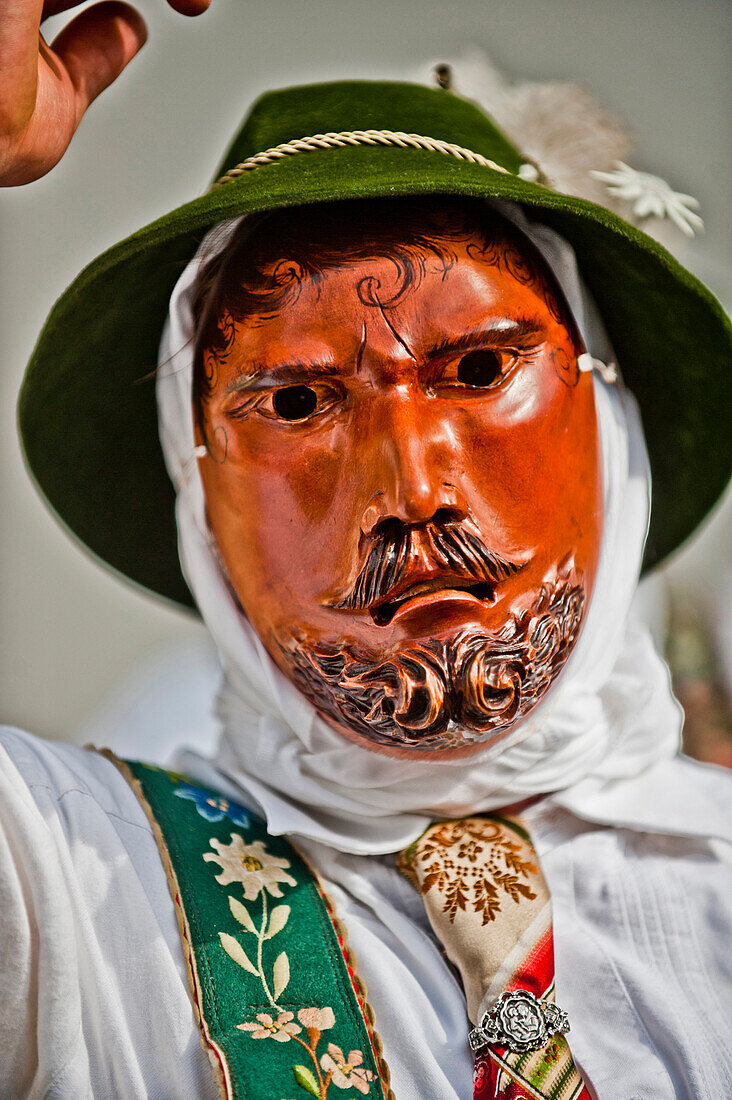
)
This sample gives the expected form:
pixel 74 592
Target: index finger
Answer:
pixel 19 28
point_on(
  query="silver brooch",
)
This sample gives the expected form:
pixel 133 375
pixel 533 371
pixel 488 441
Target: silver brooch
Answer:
pixel 520 1022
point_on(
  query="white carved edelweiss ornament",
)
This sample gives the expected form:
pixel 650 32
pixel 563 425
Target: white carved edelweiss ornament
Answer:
pixel 651 197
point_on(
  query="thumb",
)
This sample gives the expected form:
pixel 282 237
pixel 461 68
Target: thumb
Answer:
pixel 96 46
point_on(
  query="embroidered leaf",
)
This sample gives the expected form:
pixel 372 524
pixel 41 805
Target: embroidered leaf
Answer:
pixel 513 887
pixel 241 913
pixel 281 974
pixel 456 897
pixel 486 900
pixel 511 852
pixel 306 1078
pixel 277 920
pixel 236 952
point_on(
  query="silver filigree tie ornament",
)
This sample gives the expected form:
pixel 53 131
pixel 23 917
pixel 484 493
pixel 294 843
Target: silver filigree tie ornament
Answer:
pixel 520 1022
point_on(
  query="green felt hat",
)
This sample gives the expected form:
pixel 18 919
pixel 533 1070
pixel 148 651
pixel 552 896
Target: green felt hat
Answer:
pixel 87 413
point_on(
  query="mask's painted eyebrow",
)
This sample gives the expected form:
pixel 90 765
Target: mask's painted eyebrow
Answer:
pixel 258 377
pixel 504 332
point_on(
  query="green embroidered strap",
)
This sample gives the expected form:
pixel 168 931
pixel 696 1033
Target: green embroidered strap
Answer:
pixel 281 1011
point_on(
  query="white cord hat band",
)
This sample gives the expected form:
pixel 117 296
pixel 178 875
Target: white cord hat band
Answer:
pixel 367 137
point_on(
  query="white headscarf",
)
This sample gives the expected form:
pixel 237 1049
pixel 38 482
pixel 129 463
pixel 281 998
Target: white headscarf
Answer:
pixel 610 715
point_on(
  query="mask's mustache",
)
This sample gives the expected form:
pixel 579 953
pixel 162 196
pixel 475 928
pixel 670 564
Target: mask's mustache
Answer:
pixel 452 546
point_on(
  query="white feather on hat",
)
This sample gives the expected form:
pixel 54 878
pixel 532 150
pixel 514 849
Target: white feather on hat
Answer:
pixel 578 145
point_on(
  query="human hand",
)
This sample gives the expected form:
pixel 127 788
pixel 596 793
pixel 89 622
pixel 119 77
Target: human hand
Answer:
pixel 45 90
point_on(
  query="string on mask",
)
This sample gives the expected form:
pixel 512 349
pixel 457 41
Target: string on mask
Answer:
pixel 607 371
pixel 189 467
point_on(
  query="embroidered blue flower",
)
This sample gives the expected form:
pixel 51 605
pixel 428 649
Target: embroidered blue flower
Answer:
pixel 214 807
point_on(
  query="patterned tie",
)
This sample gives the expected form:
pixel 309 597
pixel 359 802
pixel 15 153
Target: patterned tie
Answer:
pixel 488 903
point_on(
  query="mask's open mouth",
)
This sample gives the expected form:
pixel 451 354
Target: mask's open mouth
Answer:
pixel 384 611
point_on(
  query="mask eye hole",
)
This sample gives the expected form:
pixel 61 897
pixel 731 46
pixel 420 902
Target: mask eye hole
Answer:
pixel 479 368
pixel 295 402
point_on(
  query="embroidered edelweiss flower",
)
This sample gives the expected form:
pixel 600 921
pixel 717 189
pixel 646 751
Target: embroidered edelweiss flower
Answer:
pixel 281 1030
pixel 470 850
pixel 651 197
pixel 346 1072
pixel 319 1019
pixel 212 807
pixel 251 865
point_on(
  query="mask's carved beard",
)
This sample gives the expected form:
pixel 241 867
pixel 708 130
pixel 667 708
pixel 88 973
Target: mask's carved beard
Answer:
pixel 450 692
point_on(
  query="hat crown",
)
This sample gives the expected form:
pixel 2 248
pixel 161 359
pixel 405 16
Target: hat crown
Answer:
pixel 292 113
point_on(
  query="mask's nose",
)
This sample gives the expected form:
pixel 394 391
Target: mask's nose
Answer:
pixel 412 467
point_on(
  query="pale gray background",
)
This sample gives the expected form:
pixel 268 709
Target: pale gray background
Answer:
pixel 68 629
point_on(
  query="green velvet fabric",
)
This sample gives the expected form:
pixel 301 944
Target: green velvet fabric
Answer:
pixel 264 946
pixel 87 408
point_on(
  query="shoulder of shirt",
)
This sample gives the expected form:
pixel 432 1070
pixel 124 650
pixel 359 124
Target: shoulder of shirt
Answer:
pixel 56 773
pixel 678 798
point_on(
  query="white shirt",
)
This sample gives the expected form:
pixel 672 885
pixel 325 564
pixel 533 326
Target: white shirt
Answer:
pixel 94 998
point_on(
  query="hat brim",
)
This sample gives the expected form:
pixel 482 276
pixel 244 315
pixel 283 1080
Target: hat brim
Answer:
pixel 88 416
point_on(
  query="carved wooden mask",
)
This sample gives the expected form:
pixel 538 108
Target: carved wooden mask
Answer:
pixel 403 473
